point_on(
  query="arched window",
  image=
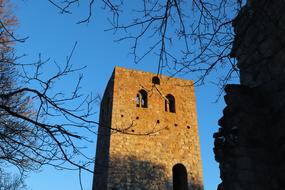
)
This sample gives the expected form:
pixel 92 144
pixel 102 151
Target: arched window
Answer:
pixel 156 80
pixel 170 103
pixel 180 181
pixel 141 99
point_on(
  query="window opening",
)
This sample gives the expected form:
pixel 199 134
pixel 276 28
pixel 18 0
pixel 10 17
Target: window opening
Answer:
pixel 156 80
pixel 180 181
pixel 170 103
pixel 141 99
pixel 143 102
pixel 138 100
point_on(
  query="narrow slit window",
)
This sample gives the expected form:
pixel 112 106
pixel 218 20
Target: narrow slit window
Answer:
pixel 170 103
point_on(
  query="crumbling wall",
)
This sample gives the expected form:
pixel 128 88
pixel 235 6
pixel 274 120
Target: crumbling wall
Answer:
pixel 250 144
pixel 259 43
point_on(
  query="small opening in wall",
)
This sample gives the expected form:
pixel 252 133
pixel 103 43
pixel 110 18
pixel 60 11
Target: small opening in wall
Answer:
pixel 122 115
pixel 188 127
pixel 137 117
pixel 142 96
pixel 157 121
pixel 170 103
pixel 156 80
pixel 133 130
pixel 175 125
pixel 138 99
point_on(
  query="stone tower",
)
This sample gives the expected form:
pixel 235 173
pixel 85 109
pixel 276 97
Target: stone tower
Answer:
pixel 148 135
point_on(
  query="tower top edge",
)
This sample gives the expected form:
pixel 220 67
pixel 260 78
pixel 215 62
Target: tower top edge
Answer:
pixel 119 69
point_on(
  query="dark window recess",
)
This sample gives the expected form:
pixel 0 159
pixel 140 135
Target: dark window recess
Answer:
pixel 179 173
pixel 156 80
pixel 175 125
pixel 157 121
pixel 133 130
pixel 188 127
pixel 170 103
pixel 122 115
pixel 138 100
pixel 137 117
pixel 141 99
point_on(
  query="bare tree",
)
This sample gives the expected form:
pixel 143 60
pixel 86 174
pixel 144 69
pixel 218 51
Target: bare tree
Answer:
pixel 186 35
pixel 11 182
pixel 40 124
pixel 32 136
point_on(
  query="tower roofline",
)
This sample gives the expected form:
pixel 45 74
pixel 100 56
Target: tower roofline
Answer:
pixel 119 68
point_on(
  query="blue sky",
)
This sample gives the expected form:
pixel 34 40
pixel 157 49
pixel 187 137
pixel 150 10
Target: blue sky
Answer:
pixel 53 35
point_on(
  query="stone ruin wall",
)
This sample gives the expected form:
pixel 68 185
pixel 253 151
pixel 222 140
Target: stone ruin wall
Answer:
pixel 250 143
pixel 145 161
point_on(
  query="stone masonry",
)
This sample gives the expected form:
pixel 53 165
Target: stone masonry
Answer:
pixel 143 142
pixel 250 144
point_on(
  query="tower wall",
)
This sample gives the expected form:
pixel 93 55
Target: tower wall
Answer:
pixel 103 138
pixel 147 142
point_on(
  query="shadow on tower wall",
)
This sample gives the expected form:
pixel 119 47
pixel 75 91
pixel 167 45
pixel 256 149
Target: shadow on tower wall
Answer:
pixel 131 173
